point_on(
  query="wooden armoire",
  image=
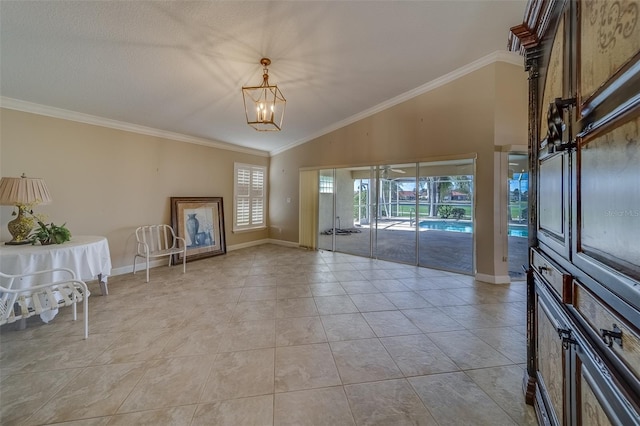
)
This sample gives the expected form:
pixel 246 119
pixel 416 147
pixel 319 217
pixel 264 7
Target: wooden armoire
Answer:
pixel 583 279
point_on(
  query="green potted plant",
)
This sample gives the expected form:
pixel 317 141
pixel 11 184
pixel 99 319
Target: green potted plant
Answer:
pixel 50 234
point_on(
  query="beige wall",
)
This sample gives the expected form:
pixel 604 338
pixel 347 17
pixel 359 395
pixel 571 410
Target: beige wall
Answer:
pixel 107 182
pixel 466 117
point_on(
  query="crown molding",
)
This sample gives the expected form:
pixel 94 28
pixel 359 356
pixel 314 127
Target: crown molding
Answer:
pixel 497 56
pixel 30 107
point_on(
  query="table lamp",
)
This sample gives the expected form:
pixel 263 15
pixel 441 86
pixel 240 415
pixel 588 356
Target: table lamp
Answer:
pixel 22 192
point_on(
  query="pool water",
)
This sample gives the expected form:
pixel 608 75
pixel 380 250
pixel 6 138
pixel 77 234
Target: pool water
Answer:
pixel 518 231
pixel 442 225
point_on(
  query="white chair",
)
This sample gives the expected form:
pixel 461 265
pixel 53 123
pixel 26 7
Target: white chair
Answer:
pixel 158 241
pixel 42 292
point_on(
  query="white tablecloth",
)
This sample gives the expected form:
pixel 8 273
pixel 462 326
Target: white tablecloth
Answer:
pixel 87 256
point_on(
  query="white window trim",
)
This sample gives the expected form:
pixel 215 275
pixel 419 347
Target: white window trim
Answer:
pixel 250 195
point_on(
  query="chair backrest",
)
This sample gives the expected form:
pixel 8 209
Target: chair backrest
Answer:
pixel 38 296
pixel 155 238
pixel 7 298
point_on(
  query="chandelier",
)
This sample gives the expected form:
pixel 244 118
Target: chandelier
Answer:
pixel 264 104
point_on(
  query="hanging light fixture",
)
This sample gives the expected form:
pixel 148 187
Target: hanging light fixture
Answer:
pixel 264 104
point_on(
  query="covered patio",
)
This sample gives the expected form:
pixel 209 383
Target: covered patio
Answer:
pixel 445 250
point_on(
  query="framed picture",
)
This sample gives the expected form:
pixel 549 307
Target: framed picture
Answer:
pixel 200 221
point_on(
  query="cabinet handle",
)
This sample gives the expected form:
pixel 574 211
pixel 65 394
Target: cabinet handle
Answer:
pixel 563 332
pixel 542 269
pixel 609 336
pixel 565 336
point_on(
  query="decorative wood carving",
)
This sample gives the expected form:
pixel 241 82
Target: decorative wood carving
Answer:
pixel 591 411
pixel 529 34
pixel 525 35
pixel 553 86
pixel 609 38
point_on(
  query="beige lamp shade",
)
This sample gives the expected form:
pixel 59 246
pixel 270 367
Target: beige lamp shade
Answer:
pixel 23 190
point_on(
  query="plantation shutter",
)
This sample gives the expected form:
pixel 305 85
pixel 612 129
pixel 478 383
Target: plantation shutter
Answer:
pixel 257 196
pixel 249 194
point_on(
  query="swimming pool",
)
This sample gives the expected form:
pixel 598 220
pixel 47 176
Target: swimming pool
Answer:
pixel 443 225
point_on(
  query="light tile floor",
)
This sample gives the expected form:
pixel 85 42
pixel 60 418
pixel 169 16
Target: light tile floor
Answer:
pixel 276 336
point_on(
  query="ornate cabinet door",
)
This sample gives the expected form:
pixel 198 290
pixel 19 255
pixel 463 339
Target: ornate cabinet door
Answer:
pixel 606 204
pixel 552 358
pixel 600 399
pixel 554 159
pixel 583 307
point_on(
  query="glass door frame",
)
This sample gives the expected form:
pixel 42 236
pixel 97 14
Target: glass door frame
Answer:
pixel 373 203
pixel 380 170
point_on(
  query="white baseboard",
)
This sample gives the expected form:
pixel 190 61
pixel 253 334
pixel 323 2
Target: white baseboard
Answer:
pixel 247 245
pixel 263 241
pixel 127 269
pixel 493 279
pixel 283 243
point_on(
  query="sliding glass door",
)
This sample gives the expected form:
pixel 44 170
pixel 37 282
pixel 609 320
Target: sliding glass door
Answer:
pixel 346 210
pixel 326 210
pixel 445 215
pixel 395 230
pixel 415 213
pixel 355 201
pixel 517 213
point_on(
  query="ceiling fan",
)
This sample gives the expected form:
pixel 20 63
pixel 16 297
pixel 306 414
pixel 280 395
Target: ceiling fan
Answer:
pixel 389 169
pixel 384 173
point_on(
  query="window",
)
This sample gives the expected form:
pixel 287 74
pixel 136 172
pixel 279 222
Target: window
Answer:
pixel 249 197
pixel 326 184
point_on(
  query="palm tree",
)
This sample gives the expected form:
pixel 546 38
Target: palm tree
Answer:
pixel 431 181
pixel 445 183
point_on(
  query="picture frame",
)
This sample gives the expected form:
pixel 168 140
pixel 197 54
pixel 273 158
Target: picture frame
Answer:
pixel 200 221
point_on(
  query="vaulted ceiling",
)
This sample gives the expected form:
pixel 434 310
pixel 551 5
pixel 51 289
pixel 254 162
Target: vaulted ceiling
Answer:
pixel 178 66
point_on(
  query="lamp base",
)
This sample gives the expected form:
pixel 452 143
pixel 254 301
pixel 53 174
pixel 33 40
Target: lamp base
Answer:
pixel 20 227
pixel 17 243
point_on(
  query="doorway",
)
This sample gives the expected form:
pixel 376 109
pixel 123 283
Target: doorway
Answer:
pixel 415 213
pixel 517 214
pixel 395 231
pixel 446 219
